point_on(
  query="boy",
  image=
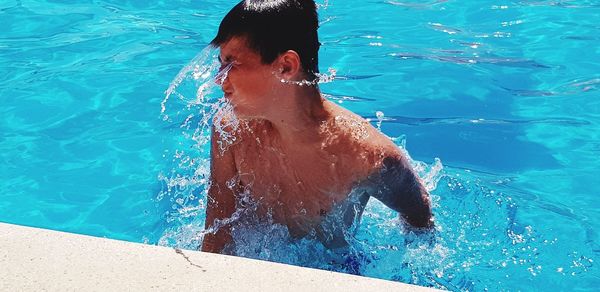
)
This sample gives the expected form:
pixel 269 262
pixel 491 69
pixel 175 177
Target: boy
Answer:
pixel 304 161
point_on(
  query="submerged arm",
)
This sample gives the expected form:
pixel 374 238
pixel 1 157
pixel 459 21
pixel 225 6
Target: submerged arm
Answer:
pixel 221 198
pixel 403 192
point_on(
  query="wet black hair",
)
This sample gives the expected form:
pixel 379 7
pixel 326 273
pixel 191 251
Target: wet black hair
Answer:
pixel 272 27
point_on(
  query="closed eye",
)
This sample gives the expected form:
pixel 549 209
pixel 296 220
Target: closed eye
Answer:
pixel 228 61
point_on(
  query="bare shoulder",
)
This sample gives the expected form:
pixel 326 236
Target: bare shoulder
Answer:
pixel 360 137
pixel 389 177
pixel 230 133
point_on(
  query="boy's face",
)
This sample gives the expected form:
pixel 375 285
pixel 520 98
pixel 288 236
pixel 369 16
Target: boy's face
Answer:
pixel 250 85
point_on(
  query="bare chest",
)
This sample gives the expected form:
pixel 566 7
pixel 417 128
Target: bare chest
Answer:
pixel 296 188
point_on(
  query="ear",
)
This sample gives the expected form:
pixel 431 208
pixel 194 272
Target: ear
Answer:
pixel 289 65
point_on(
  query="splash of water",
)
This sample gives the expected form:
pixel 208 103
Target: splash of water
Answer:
pixel 190 103
pixel 375 242
pixel 320 78
pixel 195 76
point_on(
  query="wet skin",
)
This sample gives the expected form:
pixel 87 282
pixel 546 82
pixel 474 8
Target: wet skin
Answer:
pixel 305 162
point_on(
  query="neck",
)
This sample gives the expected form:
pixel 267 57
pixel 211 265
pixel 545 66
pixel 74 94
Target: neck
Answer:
pixel 298 115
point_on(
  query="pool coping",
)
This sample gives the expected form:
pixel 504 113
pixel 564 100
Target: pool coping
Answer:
pixel 41 259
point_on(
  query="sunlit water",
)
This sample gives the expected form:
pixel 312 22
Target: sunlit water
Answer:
pixel 504 93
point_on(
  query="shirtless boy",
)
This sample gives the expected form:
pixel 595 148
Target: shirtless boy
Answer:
pixel 306 162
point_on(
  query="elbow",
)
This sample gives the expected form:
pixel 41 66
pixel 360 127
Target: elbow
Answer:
pixel 420 215
pixel 421 221
pixel 209 244
pixel 216 242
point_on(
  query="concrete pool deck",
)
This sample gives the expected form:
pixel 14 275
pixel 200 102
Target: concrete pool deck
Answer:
pixel 40 259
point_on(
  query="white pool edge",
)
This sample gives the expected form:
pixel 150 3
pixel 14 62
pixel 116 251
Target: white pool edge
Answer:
pixel 39 259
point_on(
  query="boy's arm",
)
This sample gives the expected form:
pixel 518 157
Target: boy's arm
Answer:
pixel 221 197
pixel 403 191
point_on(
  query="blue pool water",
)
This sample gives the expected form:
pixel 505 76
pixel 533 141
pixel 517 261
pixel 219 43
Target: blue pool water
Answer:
pixel 504 93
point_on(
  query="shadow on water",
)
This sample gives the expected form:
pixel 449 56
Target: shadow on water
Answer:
pixel 499 146
pixel 468 115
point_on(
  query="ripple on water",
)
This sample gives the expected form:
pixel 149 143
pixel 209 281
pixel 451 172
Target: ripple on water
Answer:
pixel 508 87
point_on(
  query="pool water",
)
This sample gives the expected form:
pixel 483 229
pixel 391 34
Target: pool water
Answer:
pixel 497 103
